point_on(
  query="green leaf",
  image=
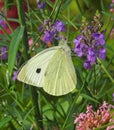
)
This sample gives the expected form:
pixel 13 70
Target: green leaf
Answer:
pixel 108 14
pixel 70 22
pixel 4 121
pixel 89 98
pixel 106 92
pixel 3 43
pixel 13 48
pixel 66 4
pixel 87 3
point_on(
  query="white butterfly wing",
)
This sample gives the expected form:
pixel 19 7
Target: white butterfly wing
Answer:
pixel 33 71
pixel 60 77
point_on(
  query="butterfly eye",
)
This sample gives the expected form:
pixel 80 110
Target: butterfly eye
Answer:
pixel 38 70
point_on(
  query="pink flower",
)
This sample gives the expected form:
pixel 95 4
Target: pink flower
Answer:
pixel 95 119
pixel 32 44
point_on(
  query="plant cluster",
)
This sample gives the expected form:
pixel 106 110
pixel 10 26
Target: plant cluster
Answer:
pixel 26 28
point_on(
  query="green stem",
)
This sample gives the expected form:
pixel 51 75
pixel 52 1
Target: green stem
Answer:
pixel 72 106
pixel 105 70
pixel 38 117
pixel 6 34
pixel 68 27
pixel 70 22
pixel 55 10
pixel 22 23
pixel 102 5
pixel 104 126
pixel 94 84
pixel 81 13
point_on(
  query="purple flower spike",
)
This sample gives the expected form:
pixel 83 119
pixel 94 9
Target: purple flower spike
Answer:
pixel 51 31
pixel 4 53
pixel 90 49
pixel 59 25
pixel 90 44
pixel 41 5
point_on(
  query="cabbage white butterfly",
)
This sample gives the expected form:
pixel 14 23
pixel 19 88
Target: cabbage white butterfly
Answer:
pixel 51 69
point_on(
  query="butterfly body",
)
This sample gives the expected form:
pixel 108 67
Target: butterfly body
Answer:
pixel 51 69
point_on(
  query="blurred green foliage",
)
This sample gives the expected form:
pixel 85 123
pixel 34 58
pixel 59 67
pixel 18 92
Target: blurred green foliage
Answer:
pixel 17 108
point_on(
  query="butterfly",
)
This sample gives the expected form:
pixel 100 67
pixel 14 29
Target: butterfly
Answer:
pixel 52 69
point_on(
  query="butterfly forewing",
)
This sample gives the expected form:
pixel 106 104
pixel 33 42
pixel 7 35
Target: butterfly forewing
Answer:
pixel 33 71
pixel 60 77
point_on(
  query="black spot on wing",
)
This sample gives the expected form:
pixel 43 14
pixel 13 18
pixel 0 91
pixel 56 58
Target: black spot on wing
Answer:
pixel 38 70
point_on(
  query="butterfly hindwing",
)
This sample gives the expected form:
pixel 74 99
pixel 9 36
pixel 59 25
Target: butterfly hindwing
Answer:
pixel 33 71
pixel 60 77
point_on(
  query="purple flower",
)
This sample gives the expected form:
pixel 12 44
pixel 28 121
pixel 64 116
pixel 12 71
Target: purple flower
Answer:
pixel 51 31
pixel 91 56
pixel 15 75
pixel 59 25
pixel 111 6
pixel 40 28
pixel 89 45
pixel 113 97
pixel 90 48
pixel 85 49
pixel 99 38
pixel 77 40
pixel 48 36
pixel 80 49
pixel 4 53
pixel 113 94
pixel 87 65
pixel 2 23
pixel 102 53
pixel 41 5
pixel 47 22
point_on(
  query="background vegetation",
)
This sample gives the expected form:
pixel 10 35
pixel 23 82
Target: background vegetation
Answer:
pixel 24 107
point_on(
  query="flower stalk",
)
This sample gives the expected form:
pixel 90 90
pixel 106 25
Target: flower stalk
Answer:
pixel 103 67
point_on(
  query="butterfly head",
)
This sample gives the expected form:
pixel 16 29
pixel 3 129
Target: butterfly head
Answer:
pixel 65 47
